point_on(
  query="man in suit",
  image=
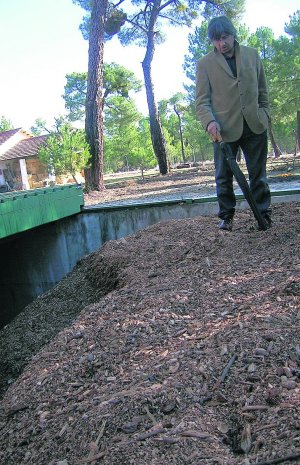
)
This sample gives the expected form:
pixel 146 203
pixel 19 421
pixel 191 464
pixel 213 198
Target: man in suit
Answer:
pixel 232 105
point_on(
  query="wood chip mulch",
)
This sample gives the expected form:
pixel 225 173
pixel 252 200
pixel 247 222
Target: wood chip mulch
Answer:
pixel 177 345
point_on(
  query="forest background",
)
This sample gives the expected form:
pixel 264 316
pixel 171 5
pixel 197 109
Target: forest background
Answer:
pixel 127 137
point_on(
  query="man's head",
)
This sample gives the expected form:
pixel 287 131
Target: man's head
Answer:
pixel 218 26
pixel 221 32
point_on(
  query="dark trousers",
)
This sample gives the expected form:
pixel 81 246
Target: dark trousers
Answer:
pixel 255 149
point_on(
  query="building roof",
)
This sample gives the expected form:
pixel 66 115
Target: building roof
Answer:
pixel 25 148
pixel 4 136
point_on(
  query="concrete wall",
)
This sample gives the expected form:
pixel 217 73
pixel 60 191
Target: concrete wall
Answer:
pixel 35 261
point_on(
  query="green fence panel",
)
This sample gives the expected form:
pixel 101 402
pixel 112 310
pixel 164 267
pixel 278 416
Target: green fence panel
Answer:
pixel 23 210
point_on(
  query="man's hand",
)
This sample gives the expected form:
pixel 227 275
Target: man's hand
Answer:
pixel 213 130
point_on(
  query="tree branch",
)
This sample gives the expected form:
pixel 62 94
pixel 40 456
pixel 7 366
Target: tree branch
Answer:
pixel 131 21
pixel 115 5
pixel 214 4
pixel 79 89
pixel 228 366
pixel 172 20
pixel 166 4
pixel 287 458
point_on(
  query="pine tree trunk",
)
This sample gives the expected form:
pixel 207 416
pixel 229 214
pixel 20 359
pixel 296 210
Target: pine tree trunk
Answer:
pixel 93 106
pixel 297 146
pixel 157 136
pixel 180 132
pixel 276 149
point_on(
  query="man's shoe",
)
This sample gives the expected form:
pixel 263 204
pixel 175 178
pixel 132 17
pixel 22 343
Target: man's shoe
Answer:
pixel 226 224
pixel 268 220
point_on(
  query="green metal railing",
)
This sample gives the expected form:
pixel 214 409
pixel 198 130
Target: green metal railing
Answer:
pixel 23 210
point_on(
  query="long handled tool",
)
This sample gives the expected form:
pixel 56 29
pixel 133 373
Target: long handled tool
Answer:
pixel 242 182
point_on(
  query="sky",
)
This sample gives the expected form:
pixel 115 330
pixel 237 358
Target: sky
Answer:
pixel 41 43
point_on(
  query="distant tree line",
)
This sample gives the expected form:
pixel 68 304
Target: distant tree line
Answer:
pixel 142 24
pixel 170 133
pixel 175 132
pixel 281 62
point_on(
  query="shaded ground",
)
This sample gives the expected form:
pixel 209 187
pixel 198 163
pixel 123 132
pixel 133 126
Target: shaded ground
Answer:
pixel 197 181
pixel 186 181
pixel 176 345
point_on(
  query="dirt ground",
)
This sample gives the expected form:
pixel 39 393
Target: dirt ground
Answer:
pixel 190 181
pixel 198 180
pixel 177 345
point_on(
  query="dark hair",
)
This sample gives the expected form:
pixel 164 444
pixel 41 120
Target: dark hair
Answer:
pixel 218 26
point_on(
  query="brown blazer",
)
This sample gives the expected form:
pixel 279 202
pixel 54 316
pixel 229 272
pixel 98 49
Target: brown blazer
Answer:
pixel 226 99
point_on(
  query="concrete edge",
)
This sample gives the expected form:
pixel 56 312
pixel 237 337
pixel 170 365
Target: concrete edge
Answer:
pixel 277 197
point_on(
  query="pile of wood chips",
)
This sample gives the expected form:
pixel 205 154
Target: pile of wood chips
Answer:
pixel 178 345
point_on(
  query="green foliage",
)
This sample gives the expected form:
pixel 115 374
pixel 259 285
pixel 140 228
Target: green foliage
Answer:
pixel 282 66
pixel 116 19
pixel 172 117
pixel 140 21
pixel 142 155
pixel 5 124
pixel 117 81
pixel 199 46
pixel 263 40
pixel 127 137
pixel 84 4
pixel 85 25
pixel 39 127
pixel 243 33
pixel 197 146
pixel 134 25
pixel 144 26
pixel 234 9
pixel 120 114
pixel 287 65
pixel 65 151
pixel 284 131
pixel 75 95
pixel 293 28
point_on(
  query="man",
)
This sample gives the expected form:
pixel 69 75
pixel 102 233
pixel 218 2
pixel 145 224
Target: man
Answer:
pixel 232 105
